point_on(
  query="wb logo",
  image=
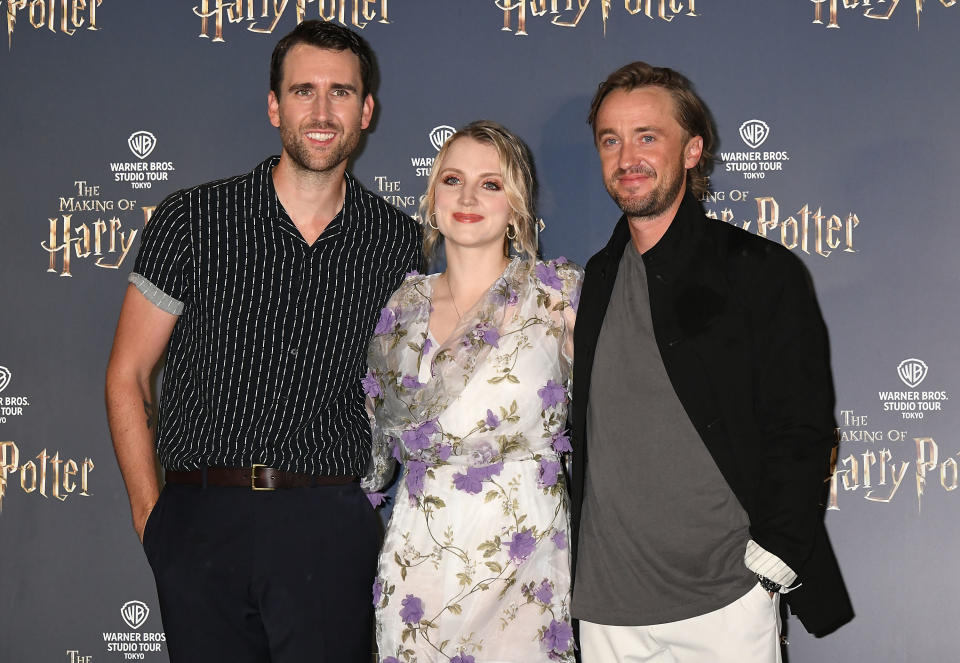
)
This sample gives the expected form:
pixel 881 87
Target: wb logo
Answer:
pixel 912 371
pixel 5 376
pixel 141 143
pixel 754 132
pixel 439 135
pixel 134 613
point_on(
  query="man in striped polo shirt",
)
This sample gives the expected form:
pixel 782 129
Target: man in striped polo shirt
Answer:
pixel 262 290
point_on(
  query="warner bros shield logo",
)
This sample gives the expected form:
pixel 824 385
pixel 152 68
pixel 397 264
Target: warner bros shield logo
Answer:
pixel 912 371
pixel 134 613
pixel 141 143
pixel 439 135
pixel 5 376
pixel 754 132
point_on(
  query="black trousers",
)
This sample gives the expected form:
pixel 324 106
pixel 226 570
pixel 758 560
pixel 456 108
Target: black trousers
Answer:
pixel 280 576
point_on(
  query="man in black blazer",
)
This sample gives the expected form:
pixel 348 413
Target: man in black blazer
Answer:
pixel 702 409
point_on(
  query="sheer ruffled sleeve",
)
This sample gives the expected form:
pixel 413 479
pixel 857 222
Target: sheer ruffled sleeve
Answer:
pixel 382 464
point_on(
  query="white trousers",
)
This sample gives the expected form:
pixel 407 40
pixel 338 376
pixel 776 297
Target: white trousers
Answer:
pixel 745 631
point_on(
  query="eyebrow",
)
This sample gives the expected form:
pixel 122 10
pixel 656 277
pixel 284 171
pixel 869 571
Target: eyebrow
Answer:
pixel 335 86
pixel 457 170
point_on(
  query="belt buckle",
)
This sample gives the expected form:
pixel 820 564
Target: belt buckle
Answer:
pixel 253 478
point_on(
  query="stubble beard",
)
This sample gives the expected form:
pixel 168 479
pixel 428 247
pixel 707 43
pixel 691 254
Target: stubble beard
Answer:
pixel 304 159
pixel 654 203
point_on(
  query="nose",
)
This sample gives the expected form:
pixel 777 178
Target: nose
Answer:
pixel 467 196
pixel 321 107
pixel 628 156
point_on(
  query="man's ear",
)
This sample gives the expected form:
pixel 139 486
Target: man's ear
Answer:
pixel 692 152
pixel 273 109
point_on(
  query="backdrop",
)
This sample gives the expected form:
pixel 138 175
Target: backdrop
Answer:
pixel 837 122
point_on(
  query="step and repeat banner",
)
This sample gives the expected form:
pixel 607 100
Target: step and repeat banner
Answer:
pixel 837 121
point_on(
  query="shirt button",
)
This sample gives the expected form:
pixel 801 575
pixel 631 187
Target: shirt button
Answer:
pixel 294 352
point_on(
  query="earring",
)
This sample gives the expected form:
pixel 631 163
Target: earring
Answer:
pixel 514 235
pixel 433 218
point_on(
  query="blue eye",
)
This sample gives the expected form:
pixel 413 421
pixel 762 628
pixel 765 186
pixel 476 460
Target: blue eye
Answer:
pixel 490 185
pixel 451 180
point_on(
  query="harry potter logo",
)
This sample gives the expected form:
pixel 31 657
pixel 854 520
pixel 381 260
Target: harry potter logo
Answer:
pixel 355 13
pixel 566 14
pixel 50 475
pixel 65 16
pixel 877 9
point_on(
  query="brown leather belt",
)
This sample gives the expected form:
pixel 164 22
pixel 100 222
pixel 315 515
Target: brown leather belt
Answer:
pixel 257 477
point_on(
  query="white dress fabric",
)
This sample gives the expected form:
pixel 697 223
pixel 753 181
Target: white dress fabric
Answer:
pixel 475 566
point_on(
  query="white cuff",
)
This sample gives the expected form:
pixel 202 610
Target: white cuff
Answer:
pixel 765 563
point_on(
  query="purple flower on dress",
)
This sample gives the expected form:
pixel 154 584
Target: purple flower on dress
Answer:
pixel 377 591
pixel 427 344
pixel 386 322
pixel 521 546
pixel 549 470
pixel 389 659
pixel 547 274
pixel 412 610
pixel 416 469
pixel 561 443
pixel 443 452
pixel 489 471
pixel 376 499
pixel 463 658
pixel 492 421
pixel 418 438
pixel 395 450
pixel 468 482
pixel 561 260
pixel 557 637
pixel 411 382
pixel 544 593
pixel 559 540
pixel 371 386
pixel 552 394
pixel 471 481
pixel 412 272
pixel 490 335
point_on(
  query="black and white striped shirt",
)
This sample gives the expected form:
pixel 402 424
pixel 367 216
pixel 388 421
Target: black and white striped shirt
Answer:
pixel 264 364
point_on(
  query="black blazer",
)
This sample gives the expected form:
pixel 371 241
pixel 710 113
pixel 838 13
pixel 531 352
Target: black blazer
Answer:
pixel 743 342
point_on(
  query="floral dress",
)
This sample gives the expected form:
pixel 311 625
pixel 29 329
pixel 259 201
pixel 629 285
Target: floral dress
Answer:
pixel 475 565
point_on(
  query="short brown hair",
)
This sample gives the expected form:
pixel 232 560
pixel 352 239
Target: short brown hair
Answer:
pixel 519 185
pixel 692 114
pixel 331 37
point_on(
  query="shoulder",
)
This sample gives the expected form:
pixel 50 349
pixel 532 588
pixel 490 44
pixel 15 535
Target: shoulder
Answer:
pixel 560 275
pixel 414 289
pixel 751 251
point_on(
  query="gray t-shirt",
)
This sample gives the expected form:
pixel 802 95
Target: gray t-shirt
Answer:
pixel 662 535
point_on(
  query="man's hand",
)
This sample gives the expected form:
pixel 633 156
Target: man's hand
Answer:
pixel 140 521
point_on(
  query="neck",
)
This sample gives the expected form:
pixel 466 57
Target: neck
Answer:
pixel 471 271
pixel 311 198
pixel 646 231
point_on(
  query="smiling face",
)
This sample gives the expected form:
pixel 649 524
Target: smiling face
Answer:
pixel 644 152
pixel 320 111
pixel 470 202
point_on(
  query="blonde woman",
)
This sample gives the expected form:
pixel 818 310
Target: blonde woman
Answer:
pixel 469 373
